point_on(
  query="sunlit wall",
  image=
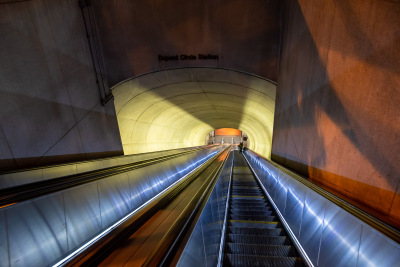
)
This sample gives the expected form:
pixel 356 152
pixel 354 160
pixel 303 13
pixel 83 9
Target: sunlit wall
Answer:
pixel 178 108
pixel 337 116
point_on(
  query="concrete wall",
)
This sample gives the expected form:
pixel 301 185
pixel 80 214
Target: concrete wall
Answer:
pixel 337 118
pixel 50 105
pixel 244 35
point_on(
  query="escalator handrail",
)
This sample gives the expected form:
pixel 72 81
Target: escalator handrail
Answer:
pixel 25 192
pixel 372 221
pixel 93 255
pixel 226 214
pixel 164 252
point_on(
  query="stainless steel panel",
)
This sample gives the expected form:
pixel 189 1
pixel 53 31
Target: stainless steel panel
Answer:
pixel 340 238
pixel 275 186
pixel 3 240
pixel 312 224
pixel 294 204
pixel 273 175
pixel 114 198
pixel 138 183
pixel 377 250
pixel 203 246
pixel 193 255
pixel 157 177
pixel 171 175
pixel 176 168
pixel 82 208
pixel 18 178
pixel 281 192
pixel 37 231
pixel 59 171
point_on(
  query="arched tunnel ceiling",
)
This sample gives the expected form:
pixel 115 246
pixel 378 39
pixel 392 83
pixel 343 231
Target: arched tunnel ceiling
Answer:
pixel 178 108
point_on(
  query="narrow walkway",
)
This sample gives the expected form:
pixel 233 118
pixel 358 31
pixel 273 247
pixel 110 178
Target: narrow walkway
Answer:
pixel 255 237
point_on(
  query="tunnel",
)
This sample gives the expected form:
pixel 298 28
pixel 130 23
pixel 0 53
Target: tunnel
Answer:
pixel 205 133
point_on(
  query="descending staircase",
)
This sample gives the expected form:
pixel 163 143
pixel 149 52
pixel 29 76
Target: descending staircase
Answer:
pixel 254 237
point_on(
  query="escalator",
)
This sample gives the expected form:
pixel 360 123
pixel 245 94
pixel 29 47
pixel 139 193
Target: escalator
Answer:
pixel 255 236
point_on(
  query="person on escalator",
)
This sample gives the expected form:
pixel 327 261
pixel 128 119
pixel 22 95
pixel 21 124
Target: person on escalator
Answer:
pixel 240 146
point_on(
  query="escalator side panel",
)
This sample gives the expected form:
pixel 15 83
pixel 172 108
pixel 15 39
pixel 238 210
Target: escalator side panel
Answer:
pixel 207 232
pixel 77 214
pixel 328 234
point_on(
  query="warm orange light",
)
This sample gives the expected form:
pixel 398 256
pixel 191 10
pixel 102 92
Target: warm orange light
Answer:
pixel 227 131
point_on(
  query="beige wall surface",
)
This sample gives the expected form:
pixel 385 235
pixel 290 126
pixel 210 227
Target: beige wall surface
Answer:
pixel 337 116
pixel 133 33
pixel 179 108
pixel 50 107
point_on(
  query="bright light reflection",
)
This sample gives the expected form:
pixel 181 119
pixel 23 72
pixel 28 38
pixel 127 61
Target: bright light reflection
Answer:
pixel 115 225
pixel 343 240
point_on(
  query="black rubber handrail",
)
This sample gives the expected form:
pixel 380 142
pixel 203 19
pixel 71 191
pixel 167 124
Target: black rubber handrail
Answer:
pixel 17 194
pixel 372 221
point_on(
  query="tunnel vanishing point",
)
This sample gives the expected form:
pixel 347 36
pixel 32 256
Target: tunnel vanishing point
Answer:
pixel 315 85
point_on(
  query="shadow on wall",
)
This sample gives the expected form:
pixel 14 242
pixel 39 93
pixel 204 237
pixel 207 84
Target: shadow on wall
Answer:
pixel 177 108
pixel 42 132
pixel 335 117
pixel 244 34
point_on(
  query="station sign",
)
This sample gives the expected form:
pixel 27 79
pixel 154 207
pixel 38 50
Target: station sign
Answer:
pixel 184 57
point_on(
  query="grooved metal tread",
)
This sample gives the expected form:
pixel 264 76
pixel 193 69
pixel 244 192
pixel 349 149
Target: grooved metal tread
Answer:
pixel 249 260
pixel 257 231
pixel 259 239
pixel 264 250
pixel 255 236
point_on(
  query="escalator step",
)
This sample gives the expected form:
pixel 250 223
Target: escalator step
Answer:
pixel 256 239
pixel 247 197
pixel 245 187
pixel 264 250
pixel 252 218
pixel 244 183
pixel 250 213
pixel 251 209
pixel 256 231
pixel 248 200
pixel 254 204
pixel 249 224
pixel 252 190
pixel 255 195
pixel 248 260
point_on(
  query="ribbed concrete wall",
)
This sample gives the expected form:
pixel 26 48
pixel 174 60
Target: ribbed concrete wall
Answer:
pixel 50 104
pixel 337 115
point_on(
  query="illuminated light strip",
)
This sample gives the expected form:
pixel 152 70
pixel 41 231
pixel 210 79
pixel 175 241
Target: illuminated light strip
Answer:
pixel 8 205
pixel 288 229
pixel 115 225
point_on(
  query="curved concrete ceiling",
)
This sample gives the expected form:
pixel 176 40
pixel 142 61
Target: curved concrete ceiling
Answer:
pixel 178 108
